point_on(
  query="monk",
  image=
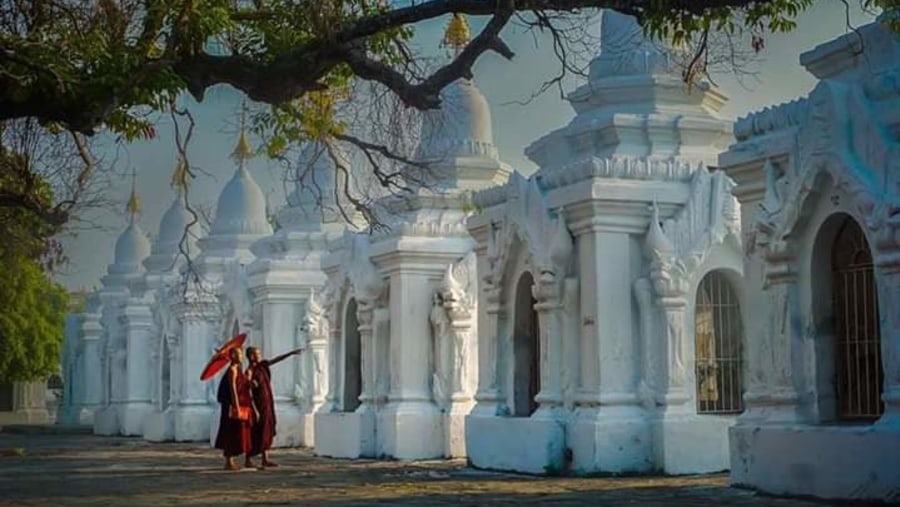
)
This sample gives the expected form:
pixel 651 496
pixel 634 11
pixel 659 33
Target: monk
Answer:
pixel 234 422
pixel 263 428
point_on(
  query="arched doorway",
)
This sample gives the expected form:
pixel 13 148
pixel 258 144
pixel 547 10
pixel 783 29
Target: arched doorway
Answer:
pixel 858 369
pixel 526 350
pixel 718 342
pixel 352 360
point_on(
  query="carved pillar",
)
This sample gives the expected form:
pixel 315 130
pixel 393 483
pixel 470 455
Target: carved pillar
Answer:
pixel 196 348
pixel 547 293
pixel 365 316
pixel 91 365
pixel 199 319
pixel 771 389
pixel 155 377
pixel 173 396
pixel 888 282
pixel 588 363
pixel 671 287
pixel 650 363
pixel 411 294
pixel 279 324
pixel 488 394
pixel 318 362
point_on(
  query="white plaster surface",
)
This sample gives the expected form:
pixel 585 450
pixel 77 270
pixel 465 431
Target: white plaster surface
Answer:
pixel 159 426
pixel 516 444
pixel 850 462
pixel 345 435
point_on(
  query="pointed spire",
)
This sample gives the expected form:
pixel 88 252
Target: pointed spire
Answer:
pixel 458 34
pixel 134 203
pixel 242 151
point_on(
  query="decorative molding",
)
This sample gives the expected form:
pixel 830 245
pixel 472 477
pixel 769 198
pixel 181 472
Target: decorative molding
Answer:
pixel 839 136
pixel 614 167
pixel 771 119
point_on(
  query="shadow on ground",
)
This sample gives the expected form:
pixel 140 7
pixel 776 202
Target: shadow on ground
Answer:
pixel 88 470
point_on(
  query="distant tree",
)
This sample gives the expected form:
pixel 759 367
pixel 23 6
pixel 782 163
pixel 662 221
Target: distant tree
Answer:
pixel 32 320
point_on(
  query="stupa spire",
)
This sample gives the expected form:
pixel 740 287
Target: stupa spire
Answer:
pixel 457 35
pixel 242 151
pixel 133 207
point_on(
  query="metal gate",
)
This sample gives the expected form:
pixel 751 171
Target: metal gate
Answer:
pixel 718 334
pixel 859 374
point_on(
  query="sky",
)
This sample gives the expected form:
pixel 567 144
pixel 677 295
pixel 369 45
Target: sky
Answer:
pixel 504 83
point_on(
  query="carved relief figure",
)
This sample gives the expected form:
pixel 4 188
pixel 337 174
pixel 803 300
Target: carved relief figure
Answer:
pixel 440 326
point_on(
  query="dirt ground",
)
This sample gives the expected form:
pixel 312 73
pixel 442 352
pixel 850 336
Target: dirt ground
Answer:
pixel 54 469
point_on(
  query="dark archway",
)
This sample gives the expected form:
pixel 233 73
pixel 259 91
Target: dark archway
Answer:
pixel 718 343
pixel 857 344
pixel 526 350
pixel 6 397
pixel 352 360
pixel 165 376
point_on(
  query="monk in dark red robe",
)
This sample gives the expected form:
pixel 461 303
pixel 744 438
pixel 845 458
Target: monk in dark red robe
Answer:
pixel 263 428
pixel 234 422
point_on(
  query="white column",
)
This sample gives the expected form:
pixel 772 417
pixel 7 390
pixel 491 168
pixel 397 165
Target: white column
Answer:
pixel 410 425
pixel 280 316
pixel 614 331
pixel 589 386
pixel 411 295
pixel 547 291
pixel 888 280
pixel 193 412
pixel 610 431
pixel 136 403
pixel 91 332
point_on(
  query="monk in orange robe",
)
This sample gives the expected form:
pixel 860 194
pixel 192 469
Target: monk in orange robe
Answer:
pixel 263 427
pixel 234 422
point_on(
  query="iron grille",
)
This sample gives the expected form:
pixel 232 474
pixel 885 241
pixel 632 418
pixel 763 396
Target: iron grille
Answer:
pixel 718 341
pixel 858 344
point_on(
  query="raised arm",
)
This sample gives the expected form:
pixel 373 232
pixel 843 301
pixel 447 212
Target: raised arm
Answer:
pixel 277 359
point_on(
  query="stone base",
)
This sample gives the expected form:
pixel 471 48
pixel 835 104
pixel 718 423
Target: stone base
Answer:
pixel 288 429
pixel 410 430
pixel 455 434
pixel 159 426
pixel 133 417
pixel 192 422
pixel 345 434
pixel 858 462
pixel 517 444
pixel 693 444
pixel 106 421
pixel 307 428
pixel 611 440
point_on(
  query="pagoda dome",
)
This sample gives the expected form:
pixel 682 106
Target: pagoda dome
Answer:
pixel 461 127
pixel 241 209
pixel 132 248
pixel 172 226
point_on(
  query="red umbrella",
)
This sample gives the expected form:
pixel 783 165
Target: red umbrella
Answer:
pixel 220 359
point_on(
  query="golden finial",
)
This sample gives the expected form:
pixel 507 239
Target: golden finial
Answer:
pixel 457 35
pixel 180 175
pixel 134 203
pixel 242 151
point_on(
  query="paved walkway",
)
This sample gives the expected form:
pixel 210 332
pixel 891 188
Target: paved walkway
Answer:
pixel 48 469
